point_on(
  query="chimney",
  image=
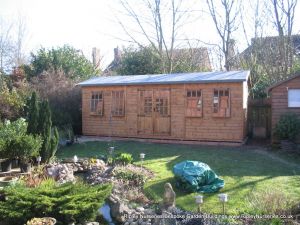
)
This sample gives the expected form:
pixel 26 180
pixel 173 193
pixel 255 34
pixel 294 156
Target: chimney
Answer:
pixel 96 58
pixel 117 54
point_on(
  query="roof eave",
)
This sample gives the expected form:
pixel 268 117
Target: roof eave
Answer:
pixel 269 89
pixel 179 82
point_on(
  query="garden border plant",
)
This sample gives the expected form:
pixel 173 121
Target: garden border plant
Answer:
pixel 17 144
pixel 287 129
pixel 67 203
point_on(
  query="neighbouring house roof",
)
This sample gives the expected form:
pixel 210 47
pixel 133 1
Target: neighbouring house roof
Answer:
pixel 281 82
pixel 177 78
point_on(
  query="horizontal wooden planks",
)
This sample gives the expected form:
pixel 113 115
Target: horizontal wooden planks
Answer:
pixel 205 128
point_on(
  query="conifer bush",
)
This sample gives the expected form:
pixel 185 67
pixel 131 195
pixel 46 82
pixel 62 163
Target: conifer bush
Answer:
pixel 66 203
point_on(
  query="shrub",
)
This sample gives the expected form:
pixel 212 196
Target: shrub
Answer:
pixel 67 203
pixel 288 127
pixel 40 123
pixel 124 158
pixel 14 142
pixel 12 102
pixel 134 178
pixel 25 147
pixel 9 132
pixel 269 202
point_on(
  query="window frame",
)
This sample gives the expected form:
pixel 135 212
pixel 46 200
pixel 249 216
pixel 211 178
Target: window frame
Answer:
pixel 218 98
pixel 288 97
pixel 96 102
pixel 190 96
pixel 118 103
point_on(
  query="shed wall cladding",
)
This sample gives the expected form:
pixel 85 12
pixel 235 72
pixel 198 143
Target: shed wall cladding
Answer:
pixel 175 122
pixel 280 100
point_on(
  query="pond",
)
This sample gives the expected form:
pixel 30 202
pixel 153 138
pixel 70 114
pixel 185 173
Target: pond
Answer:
pixel 105 211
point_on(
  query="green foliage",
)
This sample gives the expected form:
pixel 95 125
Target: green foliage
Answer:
pixel 53 143
pixel 296 66
pixel 25 147
pixel 41 125
pixel 270 202
pixel 33 114
pixel 258 90
pixel 10 131
pixel 133 177
pixel 12 102
pixel 288 127
pixel 67 203
pixel 124 158
pixel 15 142
pixel 50 135
pixel 66 58
pixel 147 60
pixel 140 61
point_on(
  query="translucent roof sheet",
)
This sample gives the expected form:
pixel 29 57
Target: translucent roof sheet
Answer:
pixel 176 78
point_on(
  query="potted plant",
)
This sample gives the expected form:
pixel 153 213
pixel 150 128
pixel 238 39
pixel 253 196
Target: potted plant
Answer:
pixel 287 129
pixel 25 148
pixel 8 132
pixel 5 155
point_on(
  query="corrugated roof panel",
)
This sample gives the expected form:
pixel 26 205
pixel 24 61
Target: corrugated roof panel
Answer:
pixel 176 78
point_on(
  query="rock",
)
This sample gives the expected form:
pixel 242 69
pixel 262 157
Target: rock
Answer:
pixel 61 173
pixel 140 209
pixel 134 223
pixel 92 223
pixel 169 196
pixel 149 211
pixel 118 209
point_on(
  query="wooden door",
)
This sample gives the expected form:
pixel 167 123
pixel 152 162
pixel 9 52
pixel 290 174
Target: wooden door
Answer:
pixel 145 114
pixel 161 112
pixel 154 112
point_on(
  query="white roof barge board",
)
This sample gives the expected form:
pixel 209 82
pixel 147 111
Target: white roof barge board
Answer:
pixel 176 78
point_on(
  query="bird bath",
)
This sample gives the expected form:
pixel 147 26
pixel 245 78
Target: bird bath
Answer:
pixel 8 180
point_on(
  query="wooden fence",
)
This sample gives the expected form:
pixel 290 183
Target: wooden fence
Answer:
pixel 259 118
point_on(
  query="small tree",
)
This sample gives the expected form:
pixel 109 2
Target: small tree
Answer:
pixel 33 114
pixel 53 143
pixel 40 121
pixel 50 139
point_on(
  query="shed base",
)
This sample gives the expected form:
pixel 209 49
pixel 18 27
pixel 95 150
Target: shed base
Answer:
pixel 86 138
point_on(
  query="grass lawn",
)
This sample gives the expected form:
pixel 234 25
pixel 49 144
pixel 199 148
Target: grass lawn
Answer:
pixel 245 171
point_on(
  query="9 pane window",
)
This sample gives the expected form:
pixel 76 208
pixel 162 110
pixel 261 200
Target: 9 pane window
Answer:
pixel 96 105
pixel 194 103
pixel 221 103
pixel 118 106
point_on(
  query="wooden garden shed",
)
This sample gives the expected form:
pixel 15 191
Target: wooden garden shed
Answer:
pixel 208 106
pixel 285 98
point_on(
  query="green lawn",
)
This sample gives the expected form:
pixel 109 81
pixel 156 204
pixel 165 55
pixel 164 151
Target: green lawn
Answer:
pixel 245 171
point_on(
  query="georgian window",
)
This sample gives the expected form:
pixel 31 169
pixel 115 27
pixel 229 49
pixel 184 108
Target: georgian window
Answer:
pixel 118 103
pixel 193 103
pixel 221 103
pixel 96 107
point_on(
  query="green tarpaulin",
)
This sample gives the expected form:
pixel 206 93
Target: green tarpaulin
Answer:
pixel 194 176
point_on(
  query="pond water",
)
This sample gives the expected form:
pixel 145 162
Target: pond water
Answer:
pixel 105 211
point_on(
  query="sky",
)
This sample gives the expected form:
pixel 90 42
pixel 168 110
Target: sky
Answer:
pixel 85 24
